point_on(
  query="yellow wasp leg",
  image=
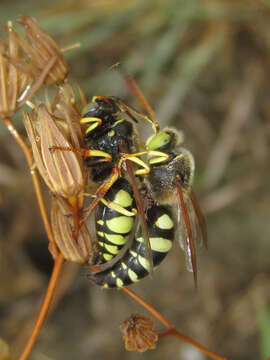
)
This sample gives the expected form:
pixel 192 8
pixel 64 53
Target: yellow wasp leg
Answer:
pixel 159 156
pixel 115 206
pixel 145 169
pixel 85 152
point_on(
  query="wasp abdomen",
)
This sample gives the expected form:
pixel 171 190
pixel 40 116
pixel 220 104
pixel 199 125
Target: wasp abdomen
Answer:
pixel 134 266
pixel 113 228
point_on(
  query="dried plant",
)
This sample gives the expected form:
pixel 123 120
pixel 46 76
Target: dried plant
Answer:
pixel 139 333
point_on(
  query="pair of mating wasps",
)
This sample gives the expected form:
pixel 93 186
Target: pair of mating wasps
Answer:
pixel 154 183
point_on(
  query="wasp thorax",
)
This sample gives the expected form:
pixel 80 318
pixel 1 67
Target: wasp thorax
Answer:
pixel 164 177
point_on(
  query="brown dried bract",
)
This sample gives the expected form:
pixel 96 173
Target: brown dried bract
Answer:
pixel 14 83
pixel 41 49
pixel 26 63
pixel 139 333
pixel 62 171
pixel 77 250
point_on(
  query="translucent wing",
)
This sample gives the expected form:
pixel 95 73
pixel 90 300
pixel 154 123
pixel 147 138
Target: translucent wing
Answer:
pixel 142 217
pixel 191 228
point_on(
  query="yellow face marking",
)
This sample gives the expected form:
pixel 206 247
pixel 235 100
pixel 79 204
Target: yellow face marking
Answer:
pixel 100 222
pixel 89 119
pixel 100 233
pixel 123 198
pixel 111 133
pixel 160 244
pixel 116 239
pixel 164 222
pixel 132 275
pixel 124 266
pixel 120 224
pixel 111 249
pixel 107 257
pixel 144 262
pixel 119 282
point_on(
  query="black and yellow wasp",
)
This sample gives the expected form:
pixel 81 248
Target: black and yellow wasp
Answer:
pixel 110 139
pixel 168 175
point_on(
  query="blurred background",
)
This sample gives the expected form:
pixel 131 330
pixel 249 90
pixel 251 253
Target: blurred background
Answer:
pixel 205 68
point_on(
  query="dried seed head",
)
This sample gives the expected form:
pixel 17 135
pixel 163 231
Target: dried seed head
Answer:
pixel 14 83
pixel 77 250
pixel 139 333
pixel 26 64
pixel 41 49
pixel 62 171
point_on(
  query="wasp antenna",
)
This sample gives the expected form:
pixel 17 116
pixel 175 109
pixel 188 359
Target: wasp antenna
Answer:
pixel 133 86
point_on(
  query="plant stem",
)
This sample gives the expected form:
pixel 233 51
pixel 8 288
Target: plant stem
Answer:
pixel 28 154
pixel 44 307
pixel 171 330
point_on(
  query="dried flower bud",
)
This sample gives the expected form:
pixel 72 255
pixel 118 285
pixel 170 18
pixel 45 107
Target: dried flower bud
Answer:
pixel 14 83
pixel 62 171
pixel 79 250
pixel 26 64
pixel 139 333
pixel 41 49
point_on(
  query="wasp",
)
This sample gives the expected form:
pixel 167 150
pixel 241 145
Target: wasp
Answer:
pixel 169 182
pixel 110 139
pixel 169 177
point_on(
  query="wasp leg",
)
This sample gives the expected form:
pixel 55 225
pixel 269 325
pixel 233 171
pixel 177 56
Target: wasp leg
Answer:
pixel 101 192
pixel 159 156
pixel 85 152
pixel 144 226
pixel 114 206
pixel 116 171
pixel 145 169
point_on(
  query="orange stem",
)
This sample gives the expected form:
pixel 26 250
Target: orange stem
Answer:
pixel 28 154
pixel 44 307
pixel 148 307
pixel 172 331
pixel 186 339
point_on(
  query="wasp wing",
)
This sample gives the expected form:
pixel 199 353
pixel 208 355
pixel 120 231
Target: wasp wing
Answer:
pixel 142 217
pixel 198 219
pixel 191 229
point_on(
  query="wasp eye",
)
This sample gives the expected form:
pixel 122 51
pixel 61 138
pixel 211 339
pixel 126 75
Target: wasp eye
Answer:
pixel 88 108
